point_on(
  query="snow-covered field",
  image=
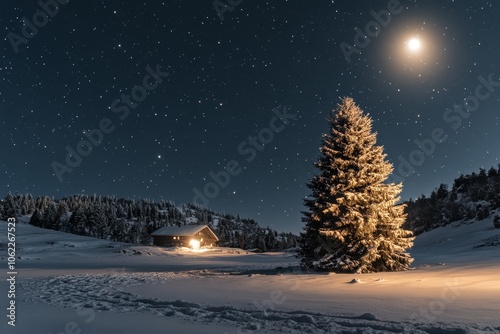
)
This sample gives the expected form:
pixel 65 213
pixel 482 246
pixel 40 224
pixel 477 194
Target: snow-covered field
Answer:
pixel 72 284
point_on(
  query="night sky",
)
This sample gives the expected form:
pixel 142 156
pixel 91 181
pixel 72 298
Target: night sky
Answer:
pixel 178 89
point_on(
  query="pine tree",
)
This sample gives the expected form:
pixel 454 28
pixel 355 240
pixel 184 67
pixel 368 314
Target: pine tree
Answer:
pixel 97 222
pixel 11 208
pixel 353 223
pixel 36 218
pixel 62 214
pixel 50 217
pixel 78 221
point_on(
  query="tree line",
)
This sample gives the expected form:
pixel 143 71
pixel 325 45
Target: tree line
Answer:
pixel 472 196
pixel 133 221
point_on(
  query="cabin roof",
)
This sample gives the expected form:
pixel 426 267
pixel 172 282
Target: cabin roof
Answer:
pixel 183 230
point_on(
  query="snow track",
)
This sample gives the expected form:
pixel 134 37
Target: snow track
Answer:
pixel 103 293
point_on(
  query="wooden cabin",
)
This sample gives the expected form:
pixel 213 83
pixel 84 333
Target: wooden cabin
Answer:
pixel 194 236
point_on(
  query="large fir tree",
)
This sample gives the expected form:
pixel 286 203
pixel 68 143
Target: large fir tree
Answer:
pixel 353 223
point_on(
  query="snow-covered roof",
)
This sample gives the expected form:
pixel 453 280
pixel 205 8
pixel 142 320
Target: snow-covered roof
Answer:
pixel 183 230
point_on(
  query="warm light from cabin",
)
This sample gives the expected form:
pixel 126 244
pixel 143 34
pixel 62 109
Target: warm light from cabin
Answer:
pixel 195 244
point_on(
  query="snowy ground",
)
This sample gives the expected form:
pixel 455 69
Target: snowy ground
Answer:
pixel 71 284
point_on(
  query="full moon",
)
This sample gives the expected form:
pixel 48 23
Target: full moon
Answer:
pixel 414 44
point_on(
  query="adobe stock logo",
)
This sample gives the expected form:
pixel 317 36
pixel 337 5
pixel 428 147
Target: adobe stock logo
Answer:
pixel 454 117
pixel 40 19
pixel 248 148
pixel 437 306
pixel 120 106
pixel 372 29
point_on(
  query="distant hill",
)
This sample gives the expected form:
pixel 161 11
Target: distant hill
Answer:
pixel 471 197
pixel 127 220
